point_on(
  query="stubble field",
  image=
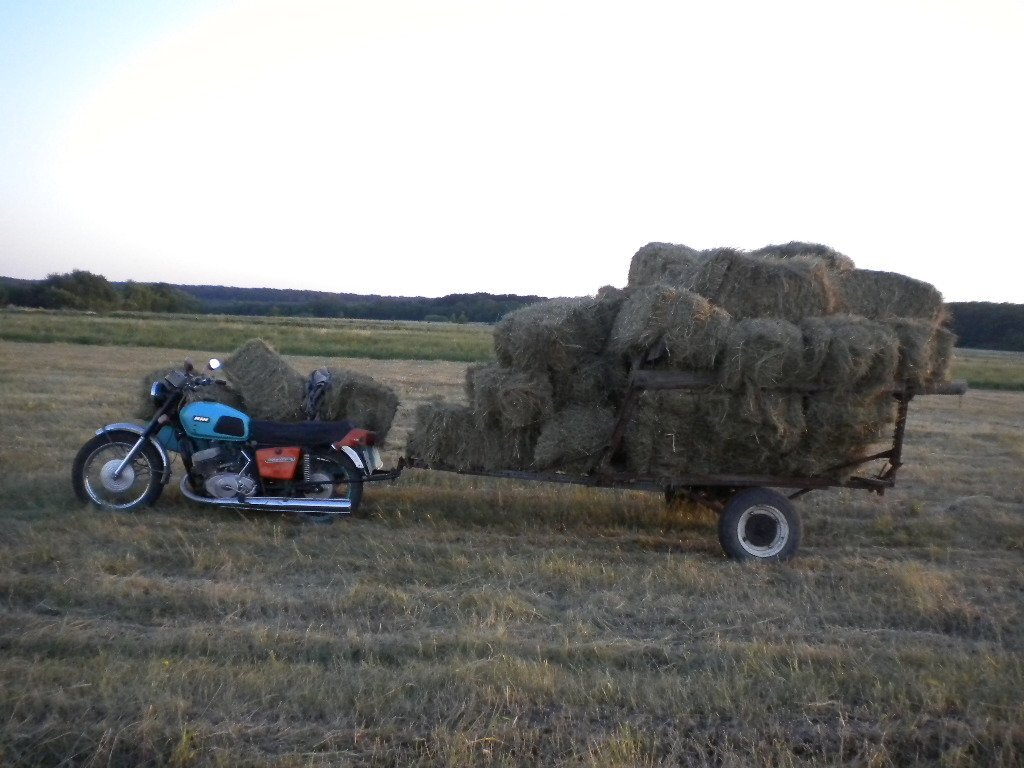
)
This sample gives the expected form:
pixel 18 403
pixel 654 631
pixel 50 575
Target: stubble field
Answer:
pixel 477 622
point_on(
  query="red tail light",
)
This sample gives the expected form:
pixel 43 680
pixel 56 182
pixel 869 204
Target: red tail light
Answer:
pixel 357 438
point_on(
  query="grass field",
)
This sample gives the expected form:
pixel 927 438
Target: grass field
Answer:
pixel 479 622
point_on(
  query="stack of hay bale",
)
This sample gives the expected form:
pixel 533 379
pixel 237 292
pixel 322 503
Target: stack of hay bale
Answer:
pixel 265 386
pixel 802 347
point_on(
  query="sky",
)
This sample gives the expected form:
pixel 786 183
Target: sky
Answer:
pixel 407 147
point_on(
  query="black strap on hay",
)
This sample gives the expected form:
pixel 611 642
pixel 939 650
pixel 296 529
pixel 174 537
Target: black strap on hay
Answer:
pixel 316 389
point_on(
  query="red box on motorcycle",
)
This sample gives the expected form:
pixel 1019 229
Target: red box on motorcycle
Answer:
pixel 278 463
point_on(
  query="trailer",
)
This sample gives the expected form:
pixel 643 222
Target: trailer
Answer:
pixel 757 520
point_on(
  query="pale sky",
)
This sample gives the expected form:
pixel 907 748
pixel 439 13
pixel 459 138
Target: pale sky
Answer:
pixel 426 148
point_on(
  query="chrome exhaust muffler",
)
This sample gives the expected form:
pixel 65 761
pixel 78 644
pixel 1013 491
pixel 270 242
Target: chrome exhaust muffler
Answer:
pixel 281 503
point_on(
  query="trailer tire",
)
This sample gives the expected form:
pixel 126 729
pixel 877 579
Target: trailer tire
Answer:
pixel 759 524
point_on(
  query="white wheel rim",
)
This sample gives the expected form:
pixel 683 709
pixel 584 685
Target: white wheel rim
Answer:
pixel 752 531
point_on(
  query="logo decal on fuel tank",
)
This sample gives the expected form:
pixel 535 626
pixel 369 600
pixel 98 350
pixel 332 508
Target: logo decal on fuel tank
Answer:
pixel 201 418
pixel 279 460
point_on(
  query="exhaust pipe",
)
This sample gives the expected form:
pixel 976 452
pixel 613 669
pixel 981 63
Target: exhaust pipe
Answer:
pixel 282 503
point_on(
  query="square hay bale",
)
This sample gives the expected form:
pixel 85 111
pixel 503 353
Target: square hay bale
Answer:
pixel 943 344
pixel 590 381
pixel 829 256
pixel 270 387
pixel 556 334
pixel 683 330
pixel 763 353
pixel 509 398
pixel 449 435
pixel 748 286
pixel 885 295
pixel 439 435
pixel 714 432
pixel 848 352
pixel 663 263
pixel 574 439
pixel 841 427
pixel 360 399
pixel 917 349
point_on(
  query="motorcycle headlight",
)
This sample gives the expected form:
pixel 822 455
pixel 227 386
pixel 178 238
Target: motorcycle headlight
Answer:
pixel 158 393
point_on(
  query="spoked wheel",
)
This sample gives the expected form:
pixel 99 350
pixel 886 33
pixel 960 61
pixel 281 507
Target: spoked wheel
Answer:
pixel 97 481
pixel 759 524
pixel 338 478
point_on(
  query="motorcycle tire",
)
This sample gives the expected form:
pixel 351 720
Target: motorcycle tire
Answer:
pixel 92 474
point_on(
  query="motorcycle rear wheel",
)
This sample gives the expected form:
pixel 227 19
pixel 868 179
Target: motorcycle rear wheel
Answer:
pixel 346 485
pixel 93 478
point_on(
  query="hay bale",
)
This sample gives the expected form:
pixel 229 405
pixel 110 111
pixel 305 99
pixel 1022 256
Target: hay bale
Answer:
pixel 360 399
pixel 846 352
pixel 832 258
pixel 663 263
pixel 590 381
pixel 840 428
pixel 449 435
pixel 943 343
pixel 556 334
pixel 748 286
pixel 714 432
pixel 916 342
pixel 762 353
pixel 438 437
pixel 270 387
pixel 509 398
pixel 885 295
pixel 681 329
pixel 574 439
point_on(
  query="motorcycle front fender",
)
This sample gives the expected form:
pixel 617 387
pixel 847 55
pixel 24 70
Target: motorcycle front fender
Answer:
pixel 165 474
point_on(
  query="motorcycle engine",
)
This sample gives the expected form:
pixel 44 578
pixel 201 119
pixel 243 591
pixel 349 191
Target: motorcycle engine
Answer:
pixel 225 471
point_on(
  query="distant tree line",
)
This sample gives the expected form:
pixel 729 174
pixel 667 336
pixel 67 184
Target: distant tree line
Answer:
pixel 978 325
pixel 85 291
pixel 984 325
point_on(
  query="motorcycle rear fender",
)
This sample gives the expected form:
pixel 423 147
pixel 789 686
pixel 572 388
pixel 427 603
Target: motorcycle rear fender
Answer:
pixel 165 472
pixel 357 459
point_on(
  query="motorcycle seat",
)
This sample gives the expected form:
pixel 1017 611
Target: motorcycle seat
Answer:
pixel 273 433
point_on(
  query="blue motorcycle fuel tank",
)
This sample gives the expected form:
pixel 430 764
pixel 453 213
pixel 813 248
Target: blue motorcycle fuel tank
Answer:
pixel 214 421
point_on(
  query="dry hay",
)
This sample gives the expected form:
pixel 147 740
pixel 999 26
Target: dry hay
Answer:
pixel 943 343
pixel 748 286
pixel 711 432
pixel 678 328
pixel 885 295
pixel 591 381
pixel 831 257
pixel 438 438
pixel 840 428
pixel 763 353
pixel 509 398
pixel 845 352
pixel 575 439
pixel 360 399
pixel 449 435
pixel 663 263
pixel 212 393
pixel 556 334
pixel 270 387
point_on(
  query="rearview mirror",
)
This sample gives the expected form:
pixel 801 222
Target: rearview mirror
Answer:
pixel 214 364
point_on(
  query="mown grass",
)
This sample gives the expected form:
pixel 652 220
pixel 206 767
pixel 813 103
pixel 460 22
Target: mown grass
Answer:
pixel 467 621
pixel 382 340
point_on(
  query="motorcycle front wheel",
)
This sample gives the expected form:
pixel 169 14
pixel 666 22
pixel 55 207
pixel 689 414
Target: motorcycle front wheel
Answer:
pixel 95 479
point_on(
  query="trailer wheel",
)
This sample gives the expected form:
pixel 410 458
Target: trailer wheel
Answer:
pixel 759 524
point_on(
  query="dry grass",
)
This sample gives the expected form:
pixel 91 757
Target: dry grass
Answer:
pixel 474 622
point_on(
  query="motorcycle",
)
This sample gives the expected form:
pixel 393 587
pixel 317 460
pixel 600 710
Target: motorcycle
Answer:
pixel 315 469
